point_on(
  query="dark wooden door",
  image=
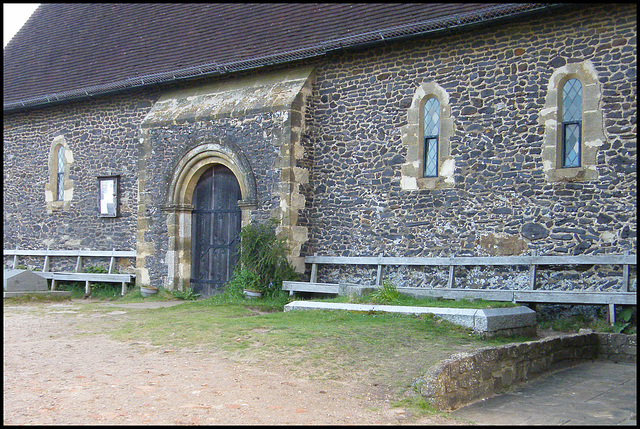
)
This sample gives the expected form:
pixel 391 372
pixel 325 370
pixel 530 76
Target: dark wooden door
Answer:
pixel 215 229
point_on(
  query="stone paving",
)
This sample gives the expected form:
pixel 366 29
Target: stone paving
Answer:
pixel 592 393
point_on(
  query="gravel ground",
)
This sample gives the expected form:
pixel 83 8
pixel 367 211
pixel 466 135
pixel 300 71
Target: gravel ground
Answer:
pixel 56 371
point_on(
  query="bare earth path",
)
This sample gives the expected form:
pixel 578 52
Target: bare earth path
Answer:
pixel 58 372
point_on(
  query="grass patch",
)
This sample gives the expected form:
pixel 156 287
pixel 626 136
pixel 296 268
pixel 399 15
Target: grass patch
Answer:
pixel 107 291
pixel 418 405
pixel 405 300
pixel 575 323
pixel 388 294
pixel 323 344
pixel 34 297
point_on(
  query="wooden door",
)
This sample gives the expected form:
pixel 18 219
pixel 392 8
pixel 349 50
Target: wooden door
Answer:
pixel 215 229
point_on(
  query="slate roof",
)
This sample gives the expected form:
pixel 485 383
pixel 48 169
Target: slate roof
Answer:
pixel 72 51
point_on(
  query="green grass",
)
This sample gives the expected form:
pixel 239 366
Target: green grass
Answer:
pixel 386 349
pixel 110 291
pixel 405 300
pixel 258 329
pixel 575 323
pixel 34 297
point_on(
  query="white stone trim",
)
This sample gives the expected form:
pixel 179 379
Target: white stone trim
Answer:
pixel 411 171
pixel 592 124
pixel 51 188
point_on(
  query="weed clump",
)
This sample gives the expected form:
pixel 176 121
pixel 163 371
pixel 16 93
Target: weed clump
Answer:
pixel 262 264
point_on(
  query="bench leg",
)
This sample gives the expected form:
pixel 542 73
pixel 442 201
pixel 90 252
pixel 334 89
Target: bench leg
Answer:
pixel 87 288
pixel 611 314
pixel 53 284
pixel 124 288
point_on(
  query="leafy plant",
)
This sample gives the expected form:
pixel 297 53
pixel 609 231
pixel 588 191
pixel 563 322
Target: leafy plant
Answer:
pixel 188 294
pixel 244 278
pixel 387 294
pixel 625 325
pixel 76 288
pixel 96 269
pixel 262 264
pixel 102 290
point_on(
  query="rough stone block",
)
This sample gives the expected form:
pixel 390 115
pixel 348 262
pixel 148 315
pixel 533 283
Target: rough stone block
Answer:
pixel 23 281
pixel 504 318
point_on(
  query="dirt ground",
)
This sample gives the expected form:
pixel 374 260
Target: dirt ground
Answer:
pixel 56 371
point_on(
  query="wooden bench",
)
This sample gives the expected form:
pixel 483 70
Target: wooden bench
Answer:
pixel 77 275
pixel 530 295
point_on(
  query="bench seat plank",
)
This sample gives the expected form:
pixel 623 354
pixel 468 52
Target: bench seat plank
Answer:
pixel 533 296
pixel 93 277
pixel 474 260
pixel 292 286
pixel 73 253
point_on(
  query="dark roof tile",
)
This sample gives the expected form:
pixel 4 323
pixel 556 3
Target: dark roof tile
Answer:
pixel 68 50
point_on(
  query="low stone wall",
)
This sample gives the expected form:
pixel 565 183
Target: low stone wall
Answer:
pixel 468 377
pixel 618 347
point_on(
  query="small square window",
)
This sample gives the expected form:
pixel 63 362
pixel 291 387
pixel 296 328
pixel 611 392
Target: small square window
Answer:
pixel 108 196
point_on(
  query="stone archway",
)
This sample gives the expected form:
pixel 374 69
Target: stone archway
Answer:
pixel 279 98
pixel 179 202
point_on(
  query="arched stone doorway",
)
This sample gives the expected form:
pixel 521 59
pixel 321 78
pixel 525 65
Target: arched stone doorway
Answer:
pixel 216 220
pixel 198 163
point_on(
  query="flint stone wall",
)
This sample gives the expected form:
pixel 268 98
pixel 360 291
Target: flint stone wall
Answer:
pixel 501 204
pixel 103 136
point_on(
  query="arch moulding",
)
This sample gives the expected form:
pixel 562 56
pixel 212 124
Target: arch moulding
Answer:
pixel 179 202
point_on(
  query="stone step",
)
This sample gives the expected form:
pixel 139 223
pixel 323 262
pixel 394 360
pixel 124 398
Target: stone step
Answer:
pixel 490 321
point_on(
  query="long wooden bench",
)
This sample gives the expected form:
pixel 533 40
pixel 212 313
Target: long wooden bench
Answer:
pixel 77 275
pixel 530 295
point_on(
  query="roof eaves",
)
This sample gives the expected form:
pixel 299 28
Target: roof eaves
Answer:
pixel 448 23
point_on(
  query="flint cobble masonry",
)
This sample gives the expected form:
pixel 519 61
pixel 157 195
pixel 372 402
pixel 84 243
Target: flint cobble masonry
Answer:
pixel 501 204
pixel 103 138
pixel 497 79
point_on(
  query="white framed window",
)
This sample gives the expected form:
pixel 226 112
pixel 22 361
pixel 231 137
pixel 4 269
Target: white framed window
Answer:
pixel 108 196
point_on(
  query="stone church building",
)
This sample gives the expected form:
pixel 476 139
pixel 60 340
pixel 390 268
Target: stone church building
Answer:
pixel 364 129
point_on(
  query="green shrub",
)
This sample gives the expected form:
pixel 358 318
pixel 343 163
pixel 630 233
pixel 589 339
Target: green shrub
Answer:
pixel 625 322
pixel 262 264
pixel 387 294
pixel 97 269
pixel 76 288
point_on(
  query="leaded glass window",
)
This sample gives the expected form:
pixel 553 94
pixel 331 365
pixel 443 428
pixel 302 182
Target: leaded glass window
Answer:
pixel 431 132
pixel 571 123
pixel 60 175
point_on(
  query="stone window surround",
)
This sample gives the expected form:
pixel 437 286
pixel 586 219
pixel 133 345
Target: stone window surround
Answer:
pixel 412 138
pixel 51 188
pixel 592 124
